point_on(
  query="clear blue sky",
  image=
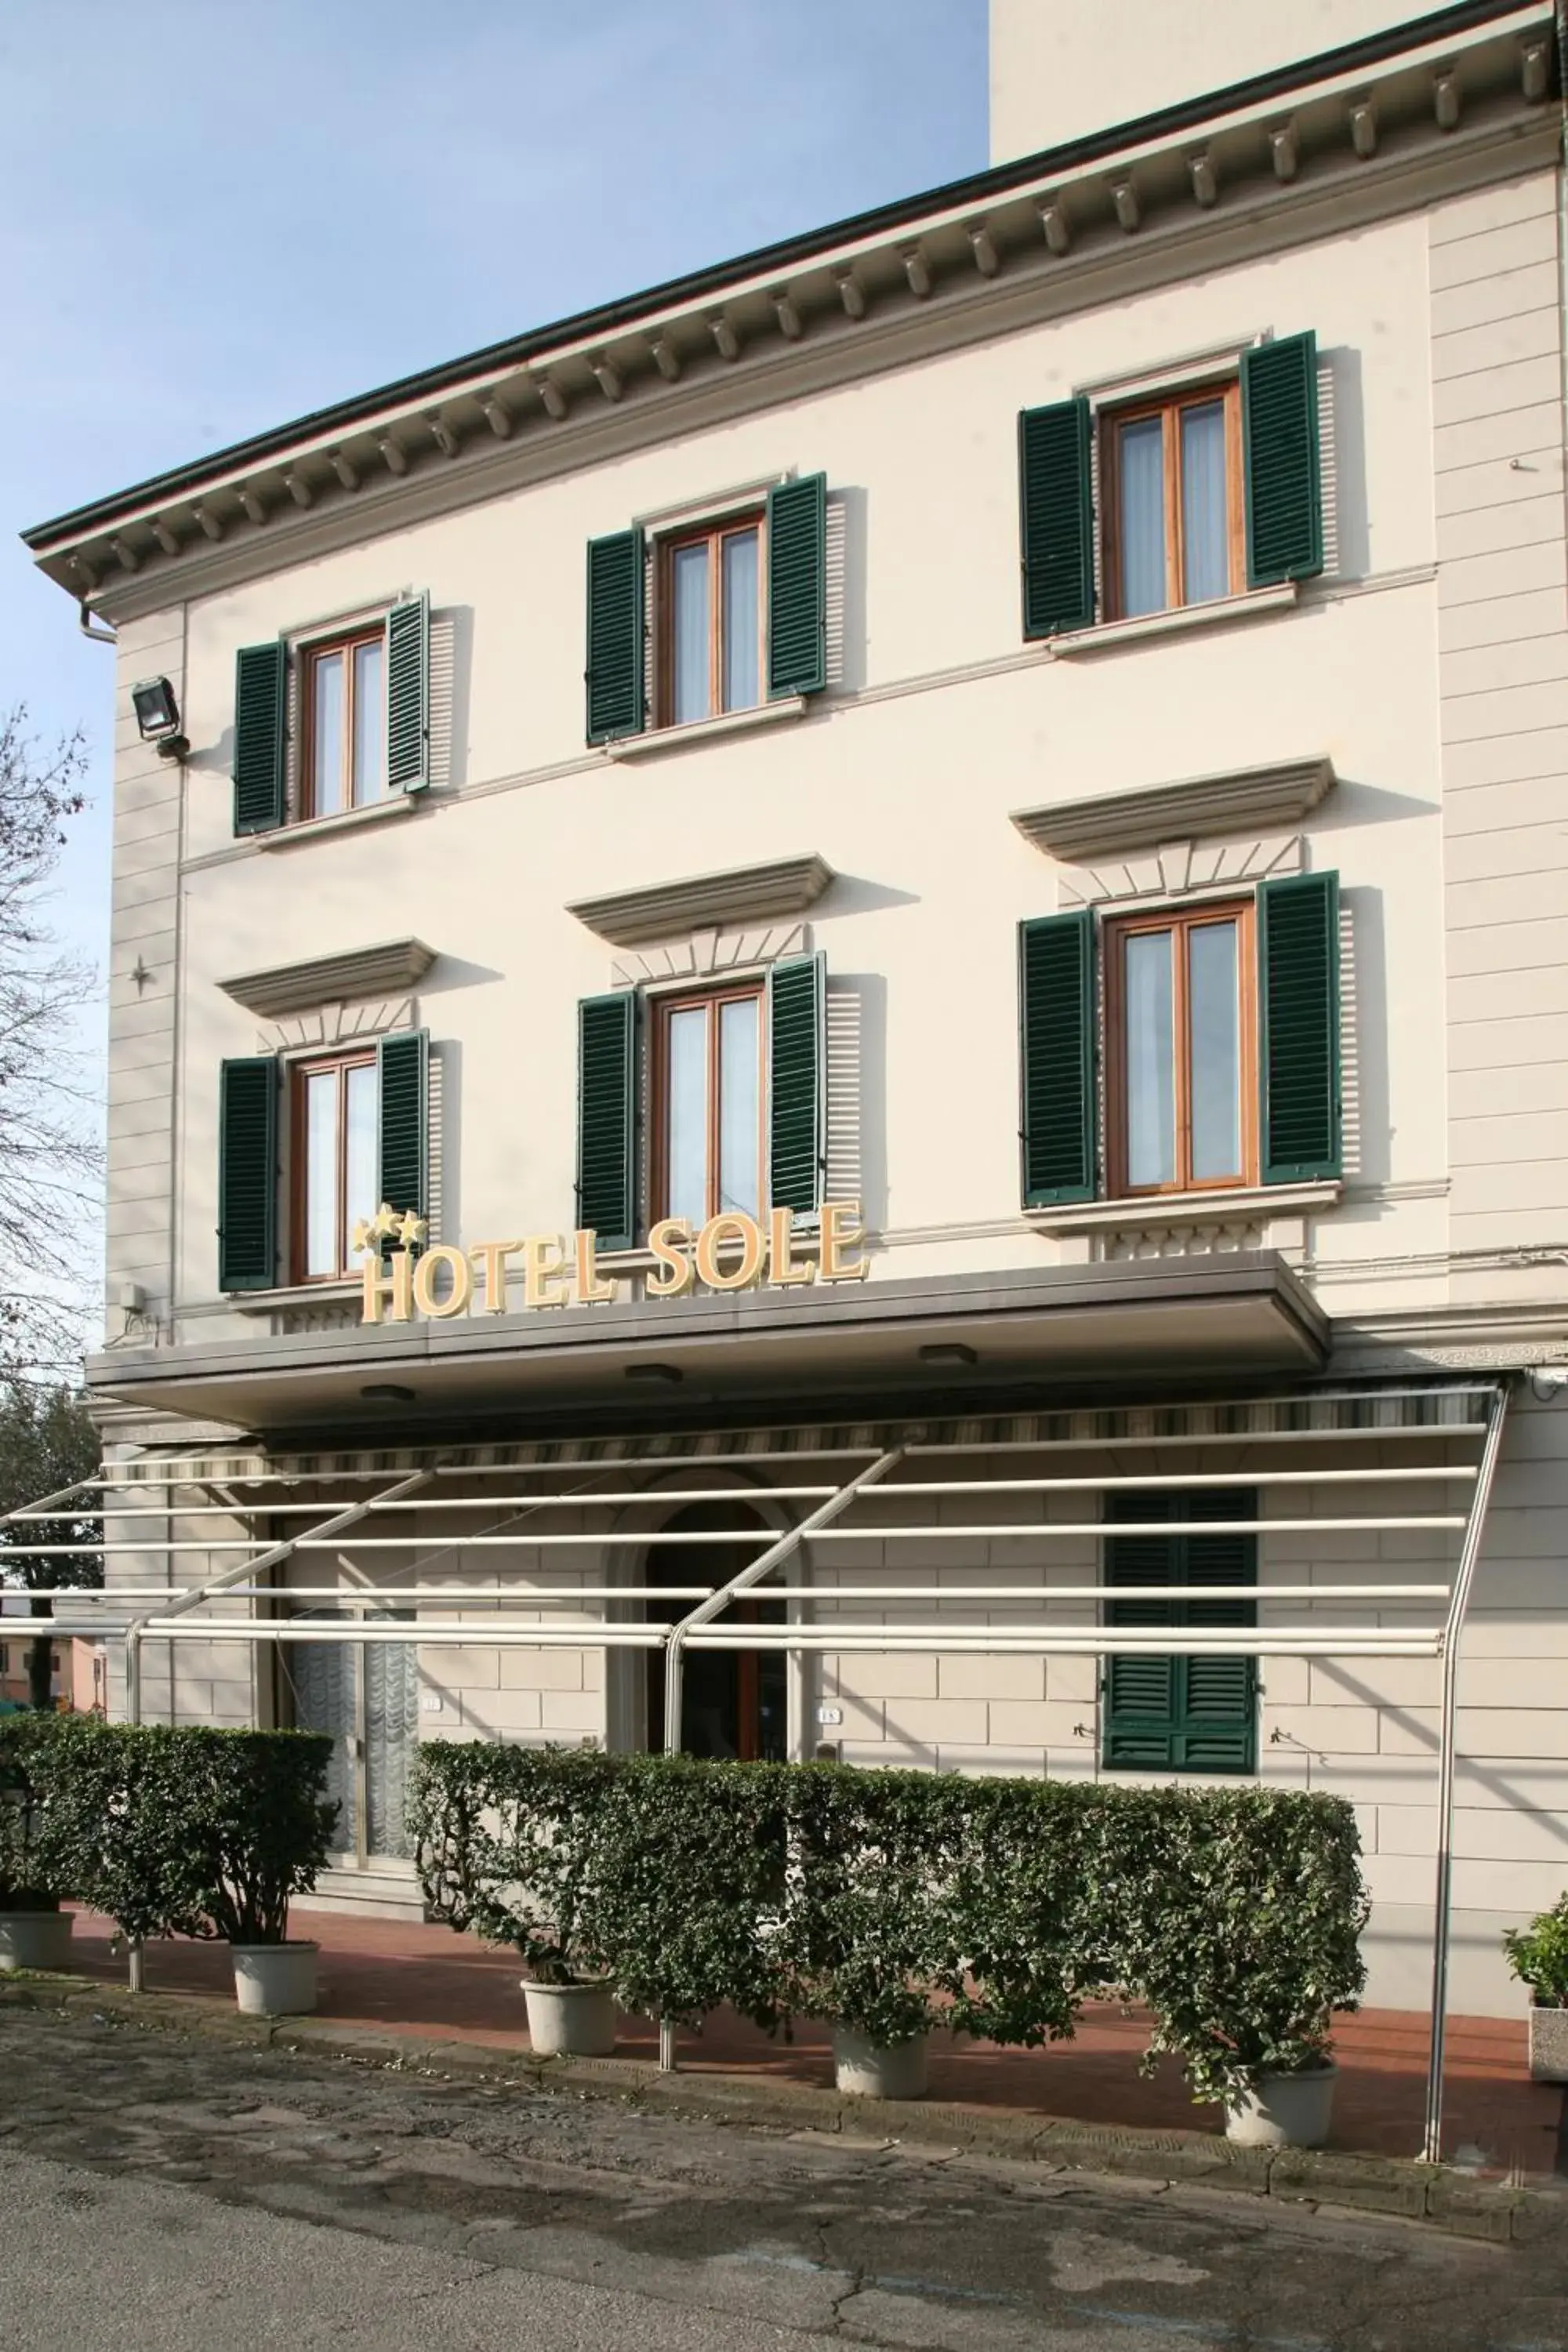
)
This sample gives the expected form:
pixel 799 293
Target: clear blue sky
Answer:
pixel 215 217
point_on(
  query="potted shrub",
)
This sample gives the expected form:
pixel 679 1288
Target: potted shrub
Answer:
pixel 35 1933
pixel 191 1832
pixel 1538 1955
pixel 872 1928
pixel 1247 1949
pixel 504 1841
pixel 260 1828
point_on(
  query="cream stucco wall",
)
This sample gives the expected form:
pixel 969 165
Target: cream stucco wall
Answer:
pixel 1062 69
pixel 903 777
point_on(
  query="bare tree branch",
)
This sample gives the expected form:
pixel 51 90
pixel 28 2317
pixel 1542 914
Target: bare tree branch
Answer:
pixel 50 1161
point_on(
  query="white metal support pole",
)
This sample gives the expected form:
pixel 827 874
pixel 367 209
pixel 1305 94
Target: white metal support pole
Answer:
pixel 1432 2150
pixel 674 1661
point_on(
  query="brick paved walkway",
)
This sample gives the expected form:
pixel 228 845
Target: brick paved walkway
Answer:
pixel 426 1981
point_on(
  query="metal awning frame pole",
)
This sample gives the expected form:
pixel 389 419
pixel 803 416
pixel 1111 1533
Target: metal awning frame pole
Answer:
pixel 1443 1897
pixel 43 1509
pixel 181 1601
pixel 674 1661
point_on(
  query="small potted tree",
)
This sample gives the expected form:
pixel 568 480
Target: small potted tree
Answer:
pixel 35 1933
pixel 505 1841
pixel 1249 1942
pixel 1538 1955
pixel 872 1924
pixel 261 1827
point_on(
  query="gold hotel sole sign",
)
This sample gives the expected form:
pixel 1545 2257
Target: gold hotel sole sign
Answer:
pixel 732 1252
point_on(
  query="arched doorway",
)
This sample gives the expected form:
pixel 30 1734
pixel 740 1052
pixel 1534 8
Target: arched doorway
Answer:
pixel 735 1703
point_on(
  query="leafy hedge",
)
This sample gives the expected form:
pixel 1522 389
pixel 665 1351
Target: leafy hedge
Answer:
pixel 169 1830
pixel 888 1901
pixel 34 1870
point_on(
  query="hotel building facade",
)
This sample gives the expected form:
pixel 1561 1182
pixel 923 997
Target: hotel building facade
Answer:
pixel 947 836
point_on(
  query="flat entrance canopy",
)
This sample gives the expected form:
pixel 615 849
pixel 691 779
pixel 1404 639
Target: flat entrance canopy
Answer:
pixel 1016 1481
pixel 1235 1317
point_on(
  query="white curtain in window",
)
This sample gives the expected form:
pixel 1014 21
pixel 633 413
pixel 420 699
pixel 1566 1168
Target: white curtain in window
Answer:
pixel 1143 485
pixel 1206 553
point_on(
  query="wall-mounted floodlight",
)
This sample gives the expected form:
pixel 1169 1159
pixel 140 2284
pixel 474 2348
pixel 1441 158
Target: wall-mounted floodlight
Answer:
pixel 158 716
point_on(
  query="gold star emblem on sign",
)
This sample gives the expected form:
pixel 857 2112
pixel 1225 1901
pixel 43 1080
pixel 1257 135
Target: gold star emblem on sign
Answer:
pixel 412 1230
pixel 369 1232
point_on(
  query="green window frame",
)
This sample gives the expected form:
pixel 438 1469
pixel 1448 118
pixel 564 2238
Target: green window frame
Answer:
pixel 1170 1713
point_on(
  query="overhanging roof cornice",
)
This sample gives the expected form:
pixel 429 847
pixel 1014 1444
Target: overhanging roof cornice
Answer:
pixel 776 323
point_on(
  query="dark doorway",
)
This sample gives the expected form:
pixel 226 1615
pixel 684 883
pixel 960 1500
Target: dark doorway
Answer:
pixel 735 1703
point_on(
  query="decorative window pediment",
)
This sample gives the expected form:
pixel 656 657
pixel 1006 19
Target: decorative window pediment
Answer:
pixel 389 969
pixel 742 896
pixel 1266 799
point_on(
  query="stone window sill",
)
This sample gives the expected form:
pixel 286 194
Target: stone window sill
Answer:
pixel 312 828
pixel 1265 1201
pixel 1109 635
pixel 702 730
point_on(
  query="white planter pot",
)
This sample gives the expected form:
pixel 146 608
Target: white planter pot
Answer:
pixel 1548 2044
pixel 274 1979
pixel 1283 2110
pixel 878 2070
pixel 35 1939
pixel 570 2021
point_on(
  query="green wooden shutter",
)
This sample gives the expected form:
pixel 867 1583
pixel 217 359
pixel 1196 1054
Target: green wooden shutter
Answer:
pixel 1280 439
pixel 1140 1688
pixel 259 730
pixel 408 696
pixel 247 1175
pixel 607 1116
pixel 1180 1713
pixel 615 673
pixel 797 586
pixel 796 1063
pixel 403 1064
pixel 1055 517
pixel 1057 1058
pixel 1216 1725
pixel 1298 960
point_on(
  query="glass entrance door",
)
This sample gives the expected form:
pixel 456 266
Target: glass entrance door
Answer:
pixel 365 1696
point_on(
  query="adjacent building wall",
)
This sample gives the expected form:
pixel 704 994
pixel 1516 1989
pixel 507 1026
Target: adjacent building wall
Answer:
pixel 1061 69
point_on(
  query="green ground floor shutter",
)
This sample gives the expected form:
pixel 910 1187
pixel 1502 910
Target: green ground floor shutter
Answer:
pixel 1172 1713
pixel 796 1059
pixel 247 1173
pixel 607 1092
pixel 404 1064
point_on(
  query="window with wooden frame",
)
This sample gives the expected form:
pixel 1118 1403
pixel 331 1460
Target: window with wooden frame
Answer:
pixel 1172 492
pixel 711 626
pixel 709 1145
pixel 1180 1023
pixel 334 1160
pixel 343 704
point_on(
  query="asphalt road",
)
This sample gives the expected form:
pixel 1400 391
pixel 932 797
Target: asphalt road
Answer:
pixel 176 2194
